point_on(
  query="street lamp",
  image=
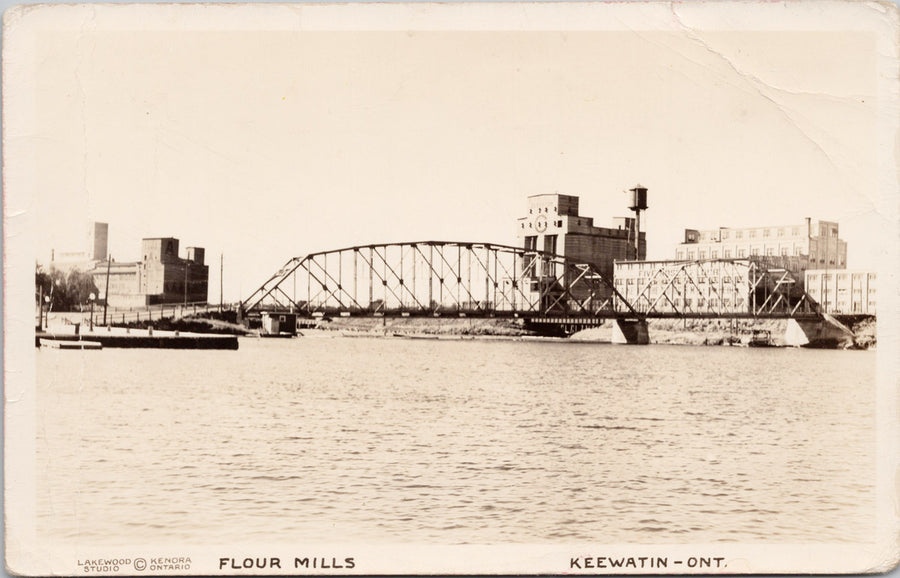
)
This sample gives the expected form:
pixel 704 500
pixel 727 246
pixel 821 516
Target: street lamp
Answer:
pixel 47 301
pixel 91 298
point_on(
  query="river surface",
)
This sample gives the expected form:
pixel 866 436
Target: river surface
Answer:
pixel 455 442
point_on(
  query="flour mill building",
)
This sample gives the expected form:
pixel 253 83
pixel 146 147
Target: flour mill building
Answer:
pixel 161 276
pixel 553 225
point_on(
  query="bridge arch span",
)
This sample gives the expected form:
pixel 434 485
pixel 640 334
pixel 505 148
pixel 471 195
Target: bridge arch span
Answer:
pixel 437 278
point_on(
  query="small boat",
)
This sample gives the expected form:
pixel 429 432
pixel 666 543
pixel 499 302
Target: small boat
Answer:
pixel 757 338
pixel 69 344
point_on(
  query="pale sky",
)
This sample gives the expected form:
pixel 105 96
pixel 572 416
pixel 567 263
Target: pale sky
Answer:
pixel 263 145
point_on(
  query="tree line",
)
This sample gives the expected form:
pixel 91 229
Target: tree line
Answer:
pixel 66 291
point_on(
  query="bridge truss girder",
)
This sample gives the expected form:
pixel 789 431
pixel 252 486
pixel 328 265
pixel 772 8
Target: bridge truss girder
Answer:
pixel 716 288
pixel 437 278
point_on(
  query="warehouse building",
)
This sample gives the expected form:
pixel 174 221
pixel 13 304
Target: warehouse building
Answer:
pixel 843 291
pixel 808 245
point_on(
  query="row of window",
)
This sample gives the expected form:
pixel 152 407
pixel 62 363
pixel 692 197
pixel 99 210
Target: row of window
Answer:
pixel 701 302
pixel 712 280
pixel 557 223
pixel 751 233
pixel 736 253
pixel 824 231
pixel 841 276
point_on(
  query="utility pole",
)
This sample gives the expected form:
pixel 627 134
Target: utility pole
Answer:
pixel 106 291
pixel 221 282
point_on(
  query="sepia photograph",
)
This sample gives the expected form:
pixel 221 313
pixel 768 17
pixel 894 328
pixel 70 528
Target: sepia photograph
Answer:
pixel 457 288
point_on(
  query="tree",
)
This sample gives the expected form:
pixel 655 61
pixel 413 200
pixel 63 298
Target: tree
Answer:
pixel 67 292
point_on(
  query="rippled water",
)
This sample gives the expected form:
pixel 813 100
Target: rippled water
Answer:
pixel 393 440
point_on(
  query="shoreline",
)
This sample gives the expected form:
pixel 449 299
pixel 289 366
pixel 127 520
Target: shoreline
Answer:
pixel 696 332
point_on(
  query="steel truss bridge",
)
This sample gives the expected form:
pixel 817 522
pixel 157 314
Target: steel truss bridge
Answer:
pixel 447 278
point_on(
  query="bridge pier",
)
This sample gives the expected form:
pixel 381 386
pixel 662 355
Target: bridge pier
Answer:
pixel 630 331
pixel 817 333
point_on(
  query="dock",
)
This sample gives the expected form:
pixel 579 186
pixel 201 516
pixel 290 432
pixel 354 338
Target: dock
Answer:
pixel 140 338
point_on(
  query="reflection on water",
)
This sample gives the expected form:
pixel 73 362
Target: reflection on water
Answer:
pixel 392 440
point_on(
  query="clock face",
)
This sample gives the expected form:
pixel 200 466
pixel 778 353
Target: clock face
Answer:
pixel 540 224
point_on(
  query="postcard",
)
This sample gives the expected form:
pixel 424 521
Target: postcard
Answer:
pixel 451 288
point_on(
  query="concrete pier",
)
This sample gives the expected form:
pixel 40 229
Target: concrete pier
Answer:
pixel 826 333
pixel 630 331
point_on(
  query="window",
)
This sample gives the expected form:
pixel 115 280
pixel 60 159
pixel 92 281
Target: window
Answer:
pixel 738 234
pixel 679 255
pixel 770 252
pixel 713 254
pixel 559 223
pixel 703 254
pixel 765 232
pixel 550 243
pixel 795 231
pixel 742 252
pixel 530 211
pixel 724 234
pixel 523 225
pixel 752 233
pixel 728 253
pixel 754 252
pixel 781 232
pixel 784 251
pixel 690 254
pixel 797 251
